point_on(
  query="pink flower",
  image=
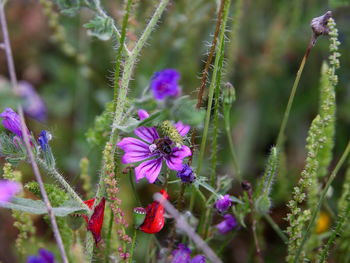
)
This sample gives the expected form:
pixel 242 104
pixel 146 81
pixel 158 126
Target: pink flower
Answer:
pixel 8 189
pixel 153 150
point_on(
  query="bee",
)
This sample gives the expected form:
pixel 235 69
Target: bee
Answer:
pixel 164 145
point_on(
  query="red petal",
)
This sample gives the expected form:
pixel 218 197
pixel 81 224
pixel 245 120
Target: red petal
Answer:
pixel 96 221
pixel 154 221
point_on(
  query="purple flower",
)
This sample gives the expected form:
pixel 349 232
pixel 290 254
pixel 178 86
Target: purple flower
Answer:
pixel 164 84
pixel 44 138
pixel 8 189
pixel 33 104
pixel 227 224
pixel 198 259
pixel 44 256
pixel 223 203
pixel 181 255
pixel 11 121
pixel 186 174
pixel 153 150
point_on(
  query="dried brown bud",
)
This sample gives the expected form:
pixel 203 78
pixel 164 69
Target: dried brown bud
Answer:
pixel 319 25
pixel 246 186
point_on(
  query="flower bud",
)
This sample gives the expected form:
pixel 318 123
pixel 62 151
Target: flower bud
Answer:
pixel 139 216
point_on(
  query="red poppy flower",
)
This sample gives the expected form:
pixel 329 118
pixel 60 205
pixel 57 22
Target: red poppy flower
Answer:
pixel 96 221
pixel 154 220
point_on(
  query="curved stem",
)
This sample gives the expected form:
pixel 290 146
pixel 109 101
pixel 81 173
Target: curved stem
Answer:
pixel 280 137
pixel 13 77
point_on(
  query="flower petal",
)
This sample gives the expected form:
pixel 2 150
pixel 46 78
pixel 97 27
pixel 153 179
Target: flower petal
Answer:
pixel 183 129
pixel 149 169
pixel 148 134
pixel 142 114
pixel 174 161
pixel 135 150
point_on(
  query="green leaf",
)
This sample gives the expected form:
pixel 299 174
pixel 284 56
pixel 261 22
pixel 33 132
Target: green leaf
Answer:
pixel 68 7
pixel 129 125
pixel 38 207
pixel 154 120
pixel 184 109
pixel 100 27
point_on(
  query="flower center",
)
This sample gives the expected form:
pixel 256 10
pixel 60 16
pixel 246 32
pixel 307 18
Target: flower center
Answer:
pixel 162 146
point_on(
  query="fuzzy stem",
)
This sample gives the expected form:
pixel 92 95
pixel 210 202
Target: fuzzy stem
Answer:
pixel 128 68
pixel 109 235
pixel 133 245
pixel 102 13
pixel 320 201
pixel 120 50
pixel 218 29
pixel 280 137
pixel 53 172
pixel 335 233
pixel 13 77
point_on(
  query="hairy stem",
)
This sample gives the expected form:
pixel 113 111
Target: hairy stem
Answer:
pixel 13 77
pixel 55 174
pixel 133 243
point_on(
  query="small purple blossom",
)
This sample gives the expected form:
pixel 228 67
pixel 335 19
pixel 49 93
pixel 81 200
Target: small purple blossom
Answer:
pixel 165 83
pixel 44 256
pixel 8 189
pixel 198 259
pixel 33 104
pixel 153 150
pixel 223 203
pixel 186 174
pixel 44 138
pixel 12 121
pixel 227 224
pixel 181 255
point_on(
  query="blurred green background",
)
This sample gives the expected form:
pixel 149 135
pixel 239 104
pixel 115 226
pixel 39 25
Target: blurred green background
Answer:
pixel 261 62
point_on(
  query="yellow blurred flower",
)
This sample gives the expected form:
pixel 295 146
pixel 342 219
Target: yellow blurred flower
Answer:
pixel 323 222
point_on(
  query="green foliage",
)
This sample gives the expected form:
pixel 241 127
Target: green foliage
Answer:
pixel 99 134
pixel 38 207
pixel 22 221
pixel 298 218
pixel 56 195
pixel 327 114
pixel 13 151
pixel 69 7
pixel 184 110
pixel 84 175
pixel 100 27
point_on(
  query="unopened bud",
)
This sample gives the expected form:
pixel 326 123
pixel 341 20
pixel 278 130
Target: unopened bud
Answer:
pixel 139 216
pixel 229 94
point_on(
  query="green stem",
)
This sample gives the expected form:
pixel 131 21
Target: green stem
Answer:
pixel 133 245
pixel 230 143
pixel 54 173
pixel 276 228
pixel 109 235
pixel 104 14
pixel 132 183
pixel 320 201
pixel 120 51
pixel 280 137
pixel 221 26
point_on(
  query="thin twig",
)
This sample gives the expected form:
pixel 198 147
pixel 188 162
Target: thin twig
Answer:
pixel 183 225
pixel 13 77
